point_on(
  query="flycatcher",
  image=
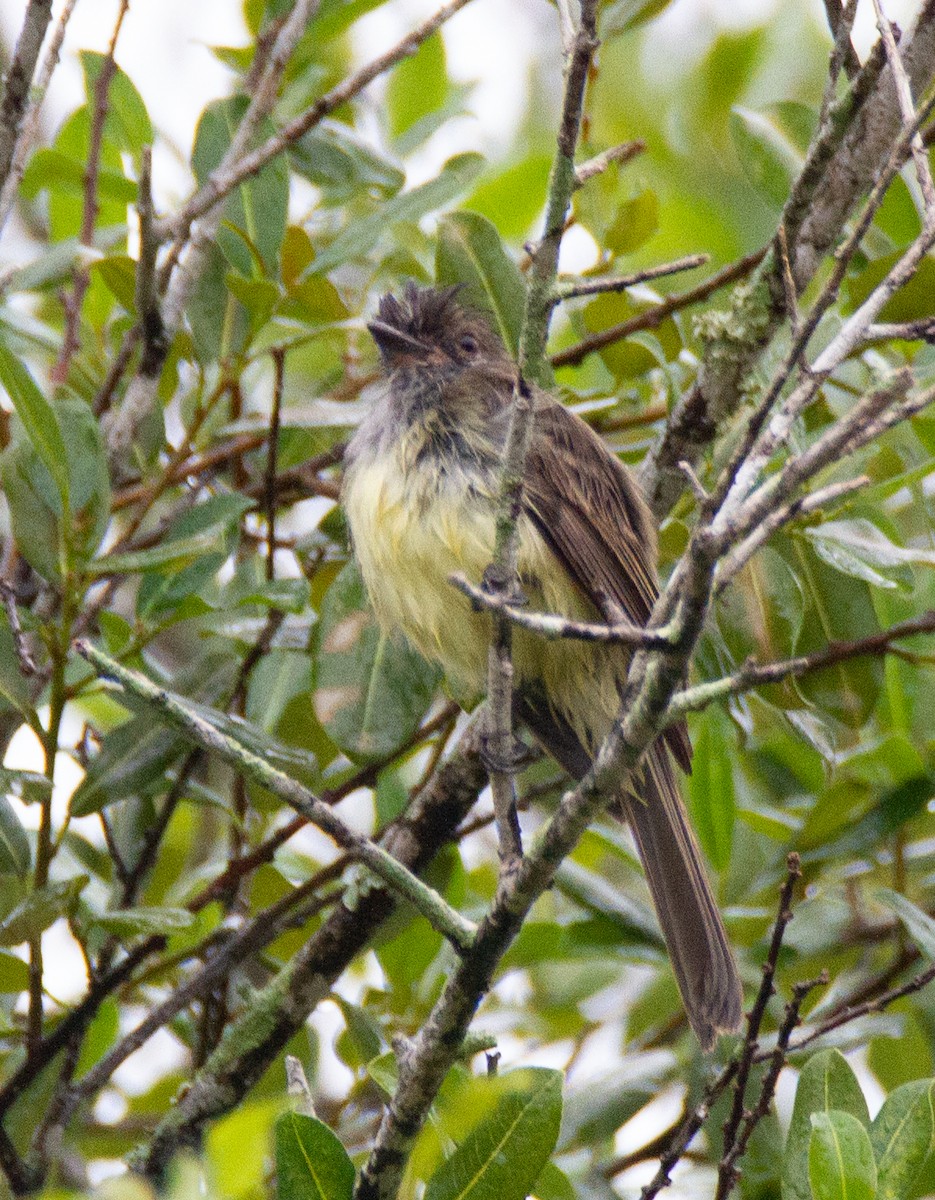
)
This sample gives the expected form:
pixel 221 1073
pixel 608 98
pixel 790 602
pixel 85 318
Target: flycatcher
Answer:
pixel 420 492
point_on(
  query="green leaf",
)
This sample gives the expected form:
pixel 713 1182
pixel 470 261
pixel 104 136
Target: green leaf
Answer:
pixel 370 690
pixel 38 417
pixel 128 922
pixel 344 166
pixel 636 221
pixel 175 553
pixel 384 1071
pixel 39 910
pixel 622 15
pixel 362 1040
pixel 838 608
pixel 311 1164
pixel 258 207
pixel 361 236
pixel 100 1036
pixel 53 533
pixel 771 145
pixel 14 691
pixel 840 1158
pixel 15 856
pixel 14 974
pixel 127 124
pixel 469 251
pixel 503 1155
pixel 761 615
pixel 825 1083
pixel 417 86
pixel 911 302
pixel 857 547
pixel 711 786
pixel 236 1149
pixel 513 197
pixel 903 1136
pixel 919 925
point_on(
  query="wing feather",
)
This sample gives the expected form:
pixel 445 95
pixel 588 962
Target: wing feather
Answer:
pixel 591 515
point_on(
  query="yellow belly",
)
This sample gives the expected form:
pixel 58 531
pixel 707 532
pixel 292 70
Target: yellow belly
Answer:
pixel 410 537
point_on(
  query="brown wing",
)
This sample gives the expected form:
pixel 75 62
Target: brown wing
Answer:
pixel 595 522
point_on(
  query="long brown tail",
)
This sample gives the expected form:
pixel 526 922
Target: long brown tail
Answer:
pixel 688 913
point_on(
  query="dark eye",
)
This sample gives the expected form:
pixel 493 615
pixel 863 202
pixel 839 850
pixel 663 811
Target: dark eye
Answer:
pixel 468 344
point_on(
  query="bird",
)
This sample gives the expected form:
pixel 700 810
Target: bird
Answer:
pixel 420 492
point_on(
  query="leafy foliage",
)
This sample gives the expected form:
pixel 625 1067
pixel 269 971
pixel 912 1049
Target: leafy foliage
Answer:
pixel 212 556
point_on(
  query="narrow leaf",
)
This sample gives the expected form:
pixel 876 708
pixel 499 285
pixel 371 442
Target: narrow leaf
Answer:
pixel 14 844
pixel 38 417
pixel 919 925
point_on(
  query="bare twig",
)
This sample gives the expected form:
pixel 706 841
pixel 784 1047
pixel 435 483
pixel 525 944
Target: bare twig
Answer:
pixel 754 1021
pixel 189 721
pixel 18 79
pixel 907 111
pixel 231 174
pixel 27 664
pixel 623 153
pixel 30 121
pixel 82 273
pixel 742 551
pixel 755 675
pixel 653 317
pixel 279 380
pixel 728 1170
pixel 552 626
pixel 148 311
pixel 570 289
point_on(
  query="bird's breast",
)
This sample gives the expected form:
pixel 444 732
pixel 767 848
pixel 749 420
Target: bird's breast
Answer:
pixel 413 526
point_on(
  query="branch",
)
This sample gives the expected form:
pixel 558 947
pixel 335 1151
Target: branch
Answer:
pixel 852 143
pixel 230 175
pixel 539 303
pixel 653 317
pixel 571 289
pixel 194 725
pixel 755 1016
pixel 623 153
pixel 18 78
pixel 90 207
pixel 755 675
pixel 552 626
pixel 281 1009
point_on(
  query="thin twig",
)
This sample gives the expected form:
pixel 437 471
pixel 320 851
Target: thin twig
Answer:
pixel 754 675
pixel 82 273
pixel 552 626
pixel 907 110
pixel 18 79
pixel 754 1021
pixel 621 154
pixel 728 1170
pixel 279 380
pixel 653 317
pixel 30 122
pixel 24 659
pixel 570 289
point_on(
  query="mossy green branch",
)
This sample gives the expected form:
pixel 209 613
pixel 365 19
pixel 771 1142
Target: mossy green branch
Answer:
pixel 178 712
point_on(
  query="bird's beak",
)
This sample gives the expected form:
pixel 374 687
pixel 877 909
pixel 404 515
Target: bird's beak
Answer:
pixel 394 342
